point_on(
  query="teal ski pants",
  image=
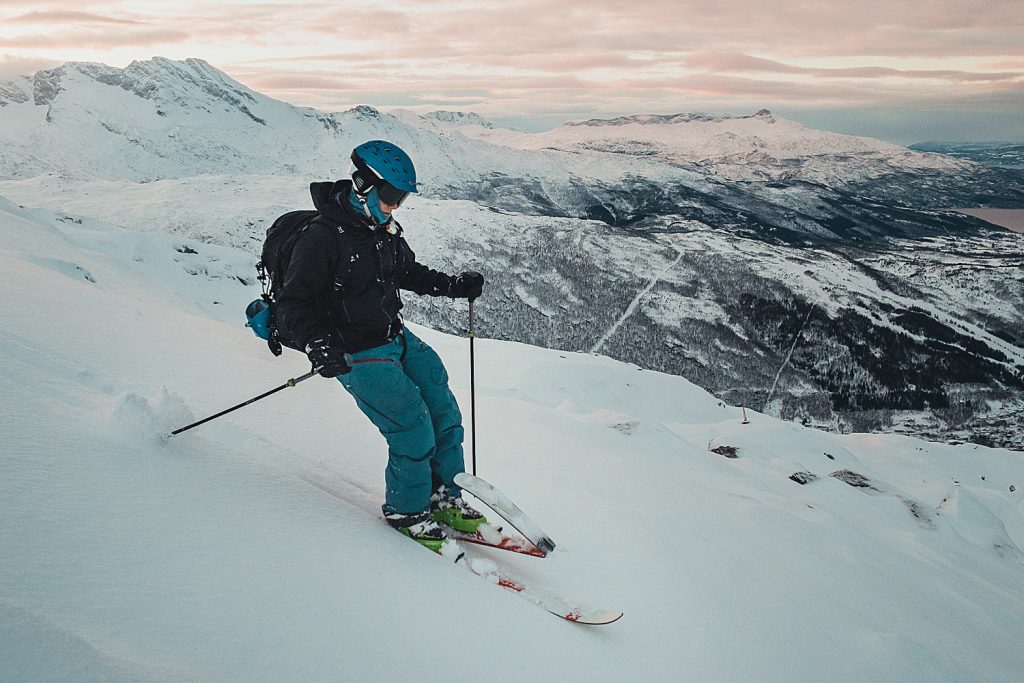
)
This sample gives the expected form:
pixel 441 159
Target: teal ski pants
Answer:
pixel 402 387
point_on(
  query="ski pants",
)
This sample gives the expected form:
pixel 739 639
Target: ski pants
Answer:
pixel 402 387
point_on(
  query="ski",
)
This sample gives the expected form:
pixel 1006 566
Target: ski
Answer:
pixel 494 537
pixel 573 612
pixel 560 607
pixel 508 510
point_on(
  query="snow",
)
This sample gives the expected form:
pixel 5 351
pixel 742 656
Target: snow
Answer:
pixel 252 549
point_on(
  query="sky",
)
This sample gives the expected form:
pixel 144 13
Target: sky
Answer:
pixel 900 70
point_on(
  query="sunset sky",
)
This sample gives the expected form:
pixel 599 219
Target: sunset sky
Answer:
pixel 899 70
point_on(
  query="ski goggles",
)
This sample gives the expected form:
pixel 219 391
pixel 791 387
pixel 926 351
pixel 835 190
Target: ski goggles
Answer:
pixel 389 194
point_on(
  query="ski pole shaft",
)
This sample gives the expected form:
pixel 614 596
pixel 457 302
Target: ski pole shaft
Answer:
pixel 472 386
pixel 290 383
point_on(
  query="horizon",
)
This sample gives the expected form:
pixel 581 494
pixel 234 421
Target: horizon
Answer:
pixel 882 69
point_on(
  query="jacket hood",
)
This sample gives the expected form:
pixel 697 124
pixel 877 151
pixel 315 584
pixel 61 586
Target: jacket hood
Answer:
pixel 325 200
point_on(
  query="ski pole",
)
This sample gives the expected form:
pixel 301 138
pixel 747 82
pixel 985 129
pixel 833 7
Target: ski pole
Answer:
pixel 290 383
pixel 472 385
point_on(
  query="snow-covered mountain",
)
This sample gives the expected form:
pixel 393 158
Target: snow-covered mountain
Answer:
pixel 252 549
pixel 759 147
pixel 810 274
pixel 167 119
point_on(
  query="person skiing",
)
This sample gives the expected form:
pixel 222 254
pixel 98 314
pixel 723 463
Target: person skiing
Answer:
pixel 340 302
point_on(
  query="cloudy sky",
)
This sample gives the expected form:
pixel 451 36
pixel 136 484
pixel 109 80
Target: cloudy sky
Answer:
pixel 901 70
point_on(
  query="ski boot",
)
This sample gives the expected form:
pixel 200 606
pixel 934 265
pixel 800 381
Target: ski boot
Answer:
pixel 454 512
pixel 419 526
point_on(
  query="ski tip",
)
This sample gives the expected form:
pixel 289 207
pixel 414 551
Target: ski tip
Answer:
pixel 591 618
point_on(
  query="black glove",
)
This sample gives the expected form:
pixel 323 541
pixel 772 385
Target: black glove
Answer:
pixel 468 285
pixel 327 360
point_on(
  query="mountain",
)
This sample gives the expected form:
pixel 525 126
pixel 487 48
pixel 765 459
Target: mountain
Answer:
pixel 252 548
pixel 759 147
pixel 815 276
pixel 158 119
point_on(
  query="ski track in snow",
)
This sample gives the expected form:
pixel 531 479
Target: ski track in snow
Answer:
pixel 789 355
pixel 634 303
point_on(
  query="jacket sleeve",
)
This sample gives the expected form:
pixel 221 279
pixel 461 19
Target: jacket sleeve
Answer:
pixel 301 309
pixel 420 279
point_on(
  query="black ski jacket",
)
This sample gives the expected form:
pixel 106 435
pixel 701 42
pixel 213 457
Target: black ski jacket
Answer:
pixel 343 278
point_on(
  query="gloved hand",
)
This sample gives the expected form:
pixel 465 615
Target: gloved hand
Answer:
pixel 327 360
pixel 468 285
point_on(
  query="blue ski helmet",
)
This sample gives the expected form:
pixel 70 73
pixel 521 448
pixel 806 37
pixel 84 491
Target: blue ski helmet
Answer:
pixel 382 172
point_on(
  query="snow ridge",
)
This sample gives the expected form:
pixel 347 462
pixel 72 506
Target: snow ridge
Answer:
pixel 669 119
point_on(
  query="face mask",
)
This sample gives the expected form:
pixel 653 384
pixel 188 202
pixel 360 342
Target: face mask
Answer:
pixel 369 205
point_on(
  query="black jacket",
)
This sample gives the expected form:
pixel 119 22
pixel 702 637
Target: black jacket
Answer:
pixel 343 278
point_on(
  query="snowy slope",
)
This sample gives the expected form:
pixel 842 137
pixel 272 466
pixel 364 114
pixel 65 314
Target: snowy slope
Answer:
pixel 252 549
pixel 685 299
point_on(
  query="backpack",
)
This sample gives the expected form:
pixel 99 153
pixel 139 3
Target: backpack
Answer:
pixel 274 259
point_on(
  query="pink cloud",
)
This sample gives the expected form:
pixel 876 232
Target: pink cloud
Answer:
pixel 1007 64
pixel 95 39
pixel 265 82
pixel 14 65
pixel 734 62
pixel 70 17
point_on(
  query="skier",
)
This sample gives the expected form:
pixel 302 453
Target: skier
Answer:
pixel 340 302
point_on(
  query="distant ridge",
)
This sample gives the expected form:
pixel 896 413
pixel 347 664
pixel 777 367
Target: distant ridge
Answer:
pixel 662 119
pixel 459 118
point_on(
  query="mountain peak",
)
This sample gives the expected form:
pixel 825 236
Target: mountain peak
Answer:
pixel 459 118
pixel 47 83
pixel 186 83
pixel 365 111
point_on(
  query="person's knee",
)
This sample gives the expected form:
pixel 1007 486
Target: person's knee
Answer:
pixel 415 438
pixel 450 435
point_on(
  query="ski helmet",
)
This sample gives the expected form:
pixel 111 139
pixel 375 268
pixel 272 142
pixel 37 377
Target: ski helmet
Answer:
pixel 381 164
pixel 381 172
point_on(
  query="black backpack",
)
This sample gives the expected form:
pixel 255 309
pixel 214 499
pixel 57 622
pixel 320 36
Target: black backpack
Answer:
pixel 274 259
pixel 278 247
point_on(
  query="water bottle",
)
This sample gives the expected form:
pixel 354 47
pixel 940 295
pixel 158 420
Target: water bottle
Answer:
pixel 258 315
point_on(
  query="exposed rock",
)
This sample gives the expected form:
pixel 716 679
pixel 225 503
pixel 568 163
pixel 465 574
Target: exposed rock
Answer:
pixel 727 451
pixel 853 479
pixel 803 477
